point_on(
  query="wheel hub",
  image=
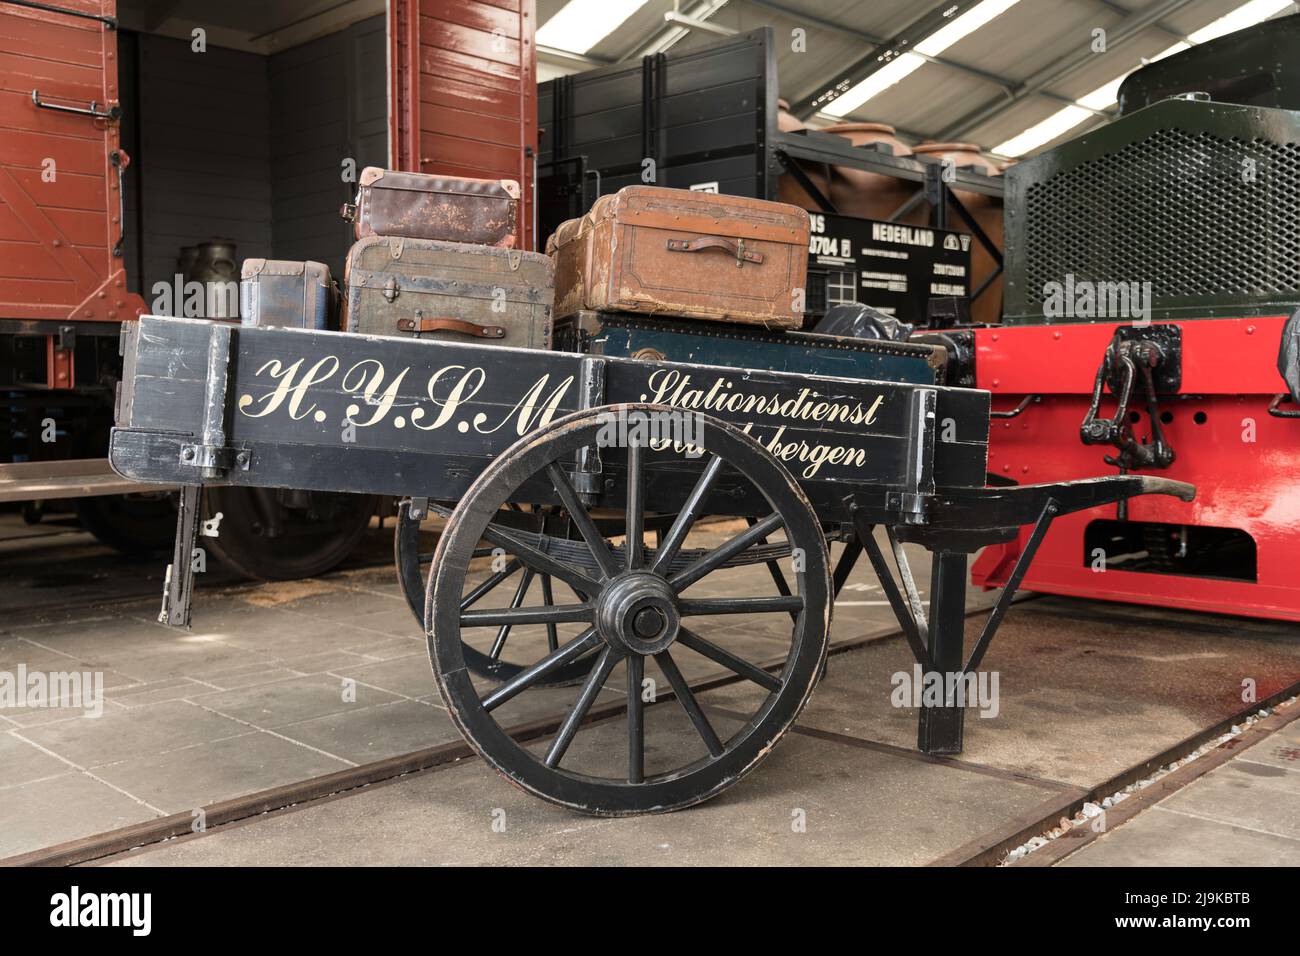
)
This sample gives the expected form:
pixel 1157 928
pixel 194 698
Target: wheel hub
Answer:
pixel 637 613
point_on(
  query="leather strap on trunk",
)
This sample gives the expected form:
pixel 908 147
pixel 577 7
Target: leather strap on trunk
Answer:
pixel 445 324
pixel 734 246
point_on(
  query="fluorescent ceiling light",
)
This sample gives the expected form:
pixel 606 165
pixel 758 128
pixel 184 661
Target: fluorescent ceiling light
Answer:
pixel 581 24
pixel 1062 121
pixel 1239 19
pixel 908 63
pixel 1067 118
pixel 877 82
pixel 963 26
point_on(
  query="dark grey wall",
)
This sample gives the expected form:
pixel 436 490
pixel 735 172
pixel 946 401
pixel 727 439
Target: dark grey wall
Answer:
pixel 328 104
pixel 203 152
pixel 238 146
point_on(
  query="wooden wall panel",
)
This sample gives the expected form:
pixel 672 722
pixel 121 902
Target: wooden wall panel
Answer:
pixel 464 91
pixel 59 196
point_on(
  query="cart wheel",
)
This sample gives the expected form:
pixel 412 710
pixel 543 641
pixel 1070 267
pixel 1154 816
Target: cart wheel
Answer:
pixel 412 575
pixel 636 612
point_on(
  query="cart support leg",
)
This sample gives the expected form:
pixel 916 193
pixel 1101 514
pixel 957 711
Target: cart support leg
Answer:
pixel 178 588
pixel 940 727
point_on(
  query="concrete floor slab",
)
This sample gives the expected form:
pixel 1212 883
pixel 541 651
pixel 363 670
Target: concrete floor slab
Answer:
pixel 1159 837
pixel 182 780
pixel 1282 749
pixel 65 807
pixel 290 701
pixel 1252 796
pixel 123 734
pixel 365 734
pixel 24 762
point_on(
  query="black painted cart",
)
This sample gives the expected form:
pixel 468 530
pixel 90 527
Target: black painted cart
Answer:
pixel 529 446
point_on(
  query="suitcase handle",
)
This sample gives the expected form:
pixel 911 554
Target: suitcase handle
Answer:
pixel 735 246
pixel 460 326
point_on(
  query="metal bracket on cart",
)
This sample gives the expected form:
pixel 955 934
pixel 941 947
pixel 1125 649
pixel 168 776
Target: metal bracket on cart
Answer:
pixel 956 524
pixel 587 480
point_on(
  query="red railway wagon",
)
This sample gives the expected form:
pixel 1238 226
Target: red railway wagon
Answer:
pixel 130 129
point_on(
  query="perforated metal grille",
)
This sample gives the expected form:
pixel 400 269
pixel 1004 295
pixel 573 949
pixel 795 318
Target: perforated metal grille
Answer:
pixel 1194 214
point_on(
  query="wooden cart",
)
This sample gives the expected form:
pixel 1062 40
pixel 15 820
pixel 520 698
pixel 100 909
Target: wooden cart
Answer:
pixel 523 448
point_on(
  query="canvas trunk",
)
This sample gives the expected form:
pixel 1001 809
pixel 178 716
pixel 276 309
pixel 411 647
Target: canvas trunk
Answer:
pixel 449 290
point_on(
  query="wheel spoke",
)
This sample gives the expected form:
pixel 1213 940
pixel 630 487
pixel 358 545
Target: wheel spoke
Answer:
pixel 573 719
pixel 535 672
pixel 635 542
pixel 689 703
pixel 635 720
pixel 474 596
pixel 516 602
pixel 542 562
pixel 552 636
pixel 547 614
pixel 714 559
pixel 578 513
pixel 778 578
pixel 728 660
pixel 763 605
pixel 681 527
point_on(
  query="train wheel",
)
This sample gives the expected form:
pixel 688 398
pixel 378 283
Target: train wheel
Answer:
pixel 132 524
pixel 276 535
pixel 638 609
pixel 413 573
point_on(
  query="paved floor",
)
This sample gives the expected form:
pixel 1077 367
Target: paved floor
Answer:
pixel 1243 813
pixel 845 786
pixel 281 682
pixel 276 682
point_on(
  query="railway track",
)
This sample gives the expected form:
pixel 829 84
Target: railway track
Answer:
pixel 983 849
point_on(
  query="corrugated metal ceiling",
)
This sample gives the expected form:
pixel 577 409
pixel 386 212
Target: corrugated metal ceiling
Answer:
pixel 1025 46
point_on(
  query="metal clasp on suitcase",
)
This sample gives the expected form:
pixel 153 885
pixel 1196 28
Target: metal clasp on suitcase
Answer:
pixel 735 246
pixel 447 324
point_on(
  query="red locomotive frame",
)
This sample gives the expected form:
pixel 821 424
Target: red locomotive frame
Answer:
pixel 1229 378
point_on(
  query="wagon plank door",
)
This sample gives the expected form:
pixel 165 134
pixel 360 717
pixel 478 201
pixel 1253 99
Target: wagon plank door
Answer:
pixel 464 92
pixel 60 165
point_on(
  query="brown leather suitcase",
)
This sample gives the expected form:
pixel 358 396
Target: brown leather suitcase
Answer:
pixel 449 290
pixel 685 254
pixel 424 206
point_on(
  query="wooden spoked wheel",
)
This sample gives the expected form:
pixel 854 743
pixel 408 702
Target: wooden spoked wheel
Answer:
pixel 636 609
pixel 505 575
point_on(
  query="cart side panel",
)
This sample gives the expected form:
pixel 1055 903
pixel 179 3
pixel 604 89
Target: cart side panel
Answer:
pixel 337 412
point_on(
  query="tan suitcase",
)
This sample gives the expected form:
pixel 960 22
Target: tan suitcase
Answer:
pixel 684 254
pixel 449 290
pixel 425 206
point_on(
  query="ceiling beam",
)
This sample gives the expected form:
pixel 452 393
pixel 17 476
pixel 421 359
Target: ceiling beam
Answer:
pixel 1037 83
pixel 665 36
pixel 565 58
pixel 1125 12
pixel 838 28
